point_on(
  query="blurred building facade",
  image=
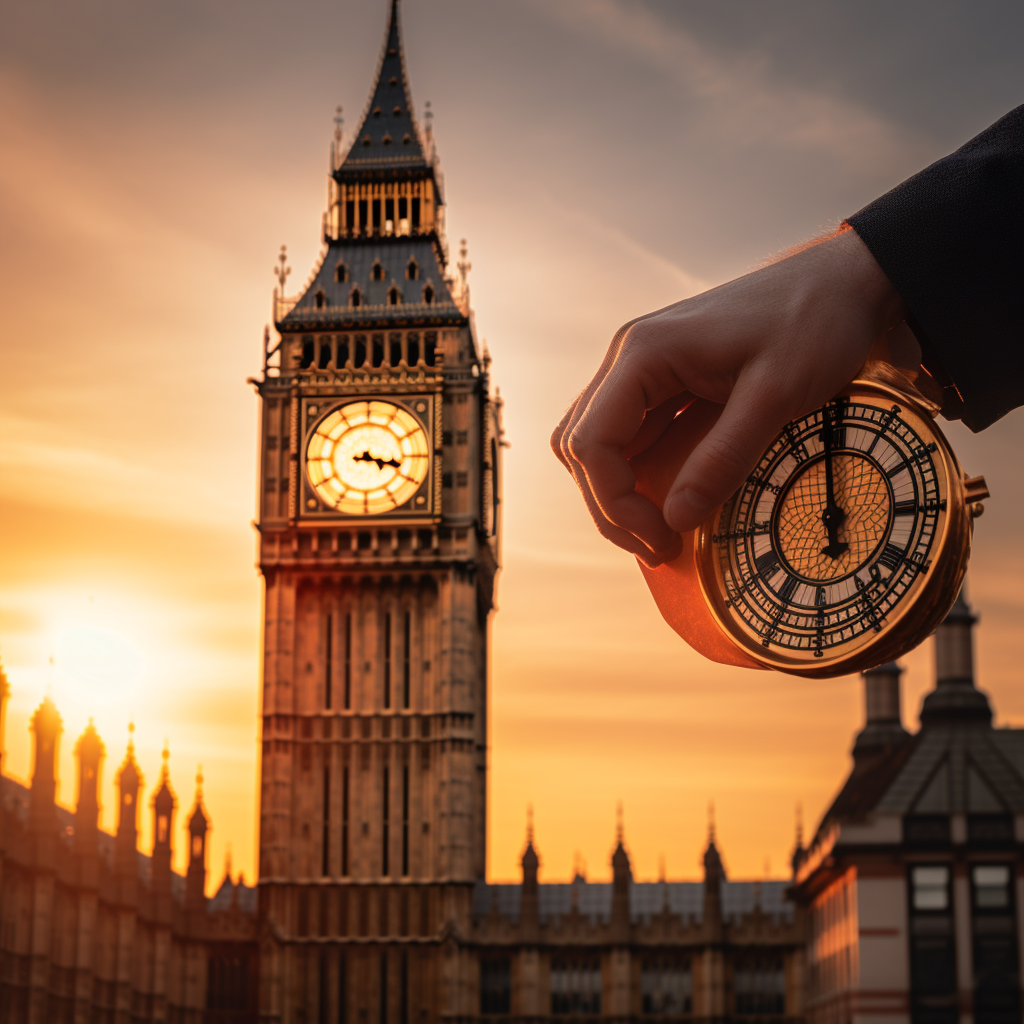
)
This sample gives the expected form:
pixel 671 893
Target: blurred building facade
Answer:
pixel 91 929
pixel 913 882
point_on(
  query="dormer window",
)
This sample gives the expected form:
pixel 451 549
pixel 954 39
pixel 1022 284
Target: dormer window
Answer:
pixel 355 298
pixel 367 141
pixel 376 111
pixel 406 139
pixel 386 140
pixel 428 294
pixel 394 296
pixel 320 299
pixel 377 272
pixel 341 273
pixel 412 271
pixel 392 81
pixel 397 112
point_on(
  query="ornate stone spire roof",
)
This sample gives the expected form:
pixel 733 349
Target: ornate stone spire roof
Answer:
pixel 198 823
pixel 129 778
pixel 89 746
pixel 714 870
pixel 388 137
pixel 164 799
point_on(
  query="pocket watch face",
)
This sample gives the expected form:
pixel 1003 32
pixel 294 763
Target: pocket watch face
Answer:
pixel 366 458
pixel 831 539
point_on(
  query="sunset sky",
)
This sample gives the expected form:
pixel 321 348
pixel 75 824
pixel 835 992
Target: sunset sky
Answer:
pixel 603 158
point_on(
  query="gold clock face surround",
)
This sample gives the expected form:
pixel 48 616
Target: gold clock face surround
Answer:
pixel 807 575
pixel 368 457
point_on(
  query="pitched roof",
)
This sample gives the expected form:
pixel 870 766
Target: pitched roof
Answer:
pixel 970 769
pixel 388 138
pixel 394 255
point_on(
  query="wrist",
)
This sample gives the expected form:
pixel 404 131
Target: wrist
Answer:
pixel 867 280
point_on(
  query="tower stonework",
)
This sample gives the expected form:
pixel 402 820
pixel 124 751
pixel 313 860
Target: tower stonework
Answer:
pixel 378 545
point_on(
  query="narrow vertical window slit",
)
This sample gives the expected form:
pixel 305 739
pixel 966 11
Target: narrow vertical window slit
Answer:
pixel 385 810
pixel 327 662
pixel 406 659
pixel 348 662
pixel 387 660
pixel 405 821
pixel 326 843
pixel 344 822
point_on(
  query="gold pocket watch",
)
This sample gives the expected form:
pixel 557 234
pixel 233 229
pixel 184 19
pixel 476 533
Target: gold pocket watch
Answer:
pixel 844 548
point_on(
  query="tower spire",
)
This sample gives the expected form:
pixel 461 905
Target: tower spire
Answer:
pixel 388 137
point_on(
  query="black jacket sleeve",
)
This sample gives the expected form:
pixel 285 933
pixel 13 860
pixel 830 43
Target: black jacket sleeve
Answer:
pixel 951 241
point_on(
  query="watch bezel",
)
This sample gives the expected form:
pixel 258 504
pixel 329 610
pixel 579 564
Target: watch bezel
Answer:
pixel 918 613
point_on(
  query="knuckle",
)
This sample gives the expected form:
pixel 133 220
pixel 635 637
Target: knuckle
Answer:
pixel 634 335
pixel 728 453
pixel 577 446
pixel 556 440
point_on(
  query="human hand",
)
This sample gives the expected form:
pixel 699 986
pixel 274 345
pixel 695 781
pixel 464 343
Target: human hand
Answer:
pixel 769 346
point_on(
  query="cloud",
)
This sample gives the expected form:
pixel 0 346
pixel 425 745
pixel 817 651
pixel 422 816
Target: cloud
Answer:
pixel 744 103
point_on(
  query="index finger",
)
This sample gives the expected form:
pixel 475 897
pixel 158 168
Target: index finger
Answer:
pixel 599 440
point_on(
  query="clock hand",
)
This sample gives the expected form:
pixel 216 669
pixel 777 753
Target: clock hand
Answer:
pixel 832 516
pixel 381 463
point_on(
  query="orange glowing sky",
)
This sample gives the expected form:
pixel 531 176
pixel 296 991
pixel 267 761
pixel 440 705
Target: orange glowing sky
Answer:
pixel 603 157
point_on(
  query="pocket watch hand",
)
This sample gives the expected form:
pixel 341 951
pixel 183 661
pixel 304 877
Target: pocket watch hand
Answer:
pixel 833 516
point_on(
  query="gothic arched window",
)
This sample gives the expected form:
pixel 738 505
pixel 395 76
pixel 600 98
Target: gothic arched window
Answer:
pixel 428 294
pixel 355 298
pixel 377 272
pixel 394 296
pixel 320 299
pixel 341 273
pixel 412 271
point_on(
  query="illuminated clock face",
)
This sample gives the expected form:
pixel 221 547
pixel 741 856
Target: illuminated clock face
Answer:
pixel 832 535
pixel 366 458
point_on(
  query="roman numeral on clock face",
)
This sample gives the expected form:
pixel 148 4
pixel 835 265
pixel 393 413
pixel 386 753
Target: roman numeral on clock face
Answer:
pixel 766 564
pixel 787 588
pixel 905 508
pixel 891 557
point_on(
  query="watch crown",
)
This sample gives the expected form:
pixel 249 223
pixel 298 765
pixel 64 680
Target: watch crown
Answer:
pixel 975 489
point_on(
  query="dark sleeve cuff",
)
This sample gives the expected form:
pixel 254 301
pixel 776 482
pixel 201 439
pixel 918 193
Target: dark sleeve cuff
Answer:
pixel 951 241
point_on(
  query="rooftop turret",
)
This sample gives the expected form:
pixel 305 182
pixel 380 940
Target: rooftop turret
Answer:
pixel 955 699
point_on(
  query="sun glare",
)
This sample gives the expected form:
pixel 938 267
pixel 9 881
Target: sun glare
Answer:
pixel 96 666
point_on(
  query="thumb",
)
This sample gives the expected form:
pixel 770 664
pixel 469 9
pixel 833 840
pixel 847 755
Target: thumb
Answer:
pixel 725 457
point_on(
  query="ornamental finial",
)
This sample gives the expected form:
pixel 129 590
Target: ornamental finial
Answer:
pixel 282 270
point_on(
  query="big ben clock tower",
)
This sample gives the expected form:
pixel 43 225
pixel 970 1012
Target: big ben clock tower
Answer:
pixel 378 545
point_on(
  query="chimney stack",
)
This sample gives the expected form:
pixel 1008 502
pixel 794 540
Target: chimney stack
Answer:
pixel 883 724
pixel 955 699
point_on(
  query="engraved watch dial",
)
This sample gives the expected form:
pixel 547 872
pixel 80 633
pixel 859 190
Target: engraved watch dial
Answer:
pixel 366 458
pixel 833 532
